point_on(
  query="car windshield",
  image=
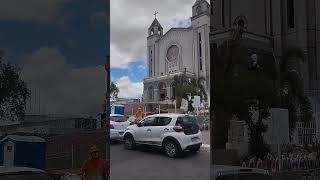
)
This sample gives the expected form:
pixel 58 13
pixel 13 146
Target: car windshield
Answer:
pixel 24 176
pixel 187 120
pixel 245 176
pixel 118 118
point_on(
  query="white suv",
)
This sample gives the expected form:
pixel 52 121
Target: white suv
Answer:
pixel 173 132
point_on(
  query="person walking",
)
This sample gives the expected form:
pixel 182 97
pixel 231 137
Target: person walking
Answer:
pixel 94 168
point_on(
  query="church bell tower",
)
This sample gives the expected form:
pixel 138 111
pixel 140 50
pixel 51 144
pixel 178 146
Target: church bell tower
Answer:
pixel 155 32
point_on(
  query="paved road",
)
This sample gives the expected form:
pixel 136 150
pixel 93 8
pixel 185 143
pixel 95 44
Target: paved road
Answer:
pixel 148 163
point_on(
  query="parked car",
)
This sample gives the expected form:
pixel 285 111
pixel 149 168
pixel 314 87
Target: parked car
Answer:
pixel 222 172
pixel 22 173
pixel 118 124
pixel 175 133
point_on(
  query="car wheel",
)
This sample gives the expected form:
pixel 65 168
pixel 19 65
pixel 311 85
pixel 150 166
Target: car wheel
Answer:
pixel 171 149
pixel 129 142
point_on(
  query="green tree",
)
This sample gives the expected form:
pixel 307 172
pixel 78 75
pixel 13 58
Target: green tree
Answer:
pixel 188 87
pixel 234 85
pixel 13 92
pixel 292 91
pixel 114 91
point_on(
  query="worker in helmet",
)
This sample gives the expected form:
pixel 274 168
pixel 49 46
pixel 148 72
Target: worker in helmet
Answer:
pixel 94 168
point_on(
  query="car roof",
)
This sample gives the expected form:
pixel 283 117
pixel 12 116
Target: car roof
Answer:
pixel 224 169
pixel 168 115
pixel 13 169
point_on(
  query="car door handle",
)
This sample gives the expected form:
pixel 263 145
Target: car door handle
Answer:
pixel 149 130
pixel 166 129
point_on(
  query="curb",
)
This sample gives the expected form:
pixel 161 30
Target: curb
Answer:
pixel 205 147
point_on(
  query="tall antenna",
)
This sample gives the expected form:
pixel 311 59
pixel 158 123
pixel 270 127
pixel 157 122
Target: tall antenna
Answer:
pixel 39 102
pixel 30 100
pixel 35 101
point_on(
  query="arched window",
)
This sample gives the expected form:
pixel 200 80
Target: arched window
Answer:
pixel 173 91
pixel 150 93
pixel 290 13
pixel 162 91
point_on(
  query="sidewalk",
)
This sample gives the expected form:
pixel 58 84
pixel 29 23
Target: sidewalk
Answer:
pixel 206 137
pixel 205 141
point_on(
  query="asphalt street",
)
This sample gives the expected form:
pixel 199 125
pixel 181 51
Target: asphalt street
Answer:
pixel 149 163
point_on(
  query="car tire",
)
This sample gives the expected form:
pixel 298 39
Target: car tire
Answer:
pixel 129 142
pixel 172 149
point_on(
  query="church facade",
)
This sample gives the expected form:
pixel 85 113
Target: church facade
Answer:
pixel 178 51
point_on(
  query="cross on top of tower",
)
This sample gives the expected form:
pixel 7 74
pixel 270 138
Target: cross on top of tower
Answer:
pixel 155 14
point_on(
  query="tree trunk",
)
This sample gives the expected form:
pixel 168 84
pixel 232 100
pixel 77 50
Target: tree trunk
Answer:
pixel 179 100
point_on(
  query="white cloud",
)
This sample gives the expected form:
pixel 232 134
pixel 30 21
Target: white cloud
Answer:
pixel 128 89
pixel 130 21
pixel 38 11
pixel 142 66
pixel 63 89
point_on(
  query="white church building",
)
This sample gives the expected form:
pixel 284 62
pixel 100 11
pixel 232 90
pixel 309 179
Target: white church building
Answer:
pixel 179 50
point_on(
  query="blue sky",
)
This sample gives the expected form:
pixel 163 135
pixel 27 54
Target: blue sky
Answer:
pixel 136 72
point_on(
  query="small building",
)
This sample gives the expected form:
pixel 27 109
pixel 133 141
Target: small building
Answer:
pixel 23 151
pixel 117 109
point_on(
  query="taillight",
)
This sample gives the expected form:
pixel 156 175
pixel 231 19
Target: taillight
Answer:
pixel 111 126
pixel 178 128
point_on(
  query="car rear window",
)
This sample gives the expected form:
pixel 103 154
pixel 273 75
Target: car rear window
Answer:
pixel 245 176
pixel 187 120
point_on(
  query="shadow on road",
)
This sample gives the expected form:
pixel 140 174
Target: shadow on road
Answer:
pixel 154 150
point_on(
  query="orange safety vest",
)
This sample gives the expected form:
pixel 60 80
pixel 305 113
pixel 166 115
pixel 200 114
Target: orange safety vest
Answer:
pixel 94 169
pixel 139 115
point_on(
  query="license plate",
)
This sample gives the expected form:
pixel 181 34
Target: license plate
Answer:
pixel 195 139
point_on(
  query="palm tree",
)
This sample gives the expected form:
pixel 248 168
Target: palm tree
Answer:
pixel 294 99
pixel 114 91
pixel 235 86
pixel 202 91
pixel 185 87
